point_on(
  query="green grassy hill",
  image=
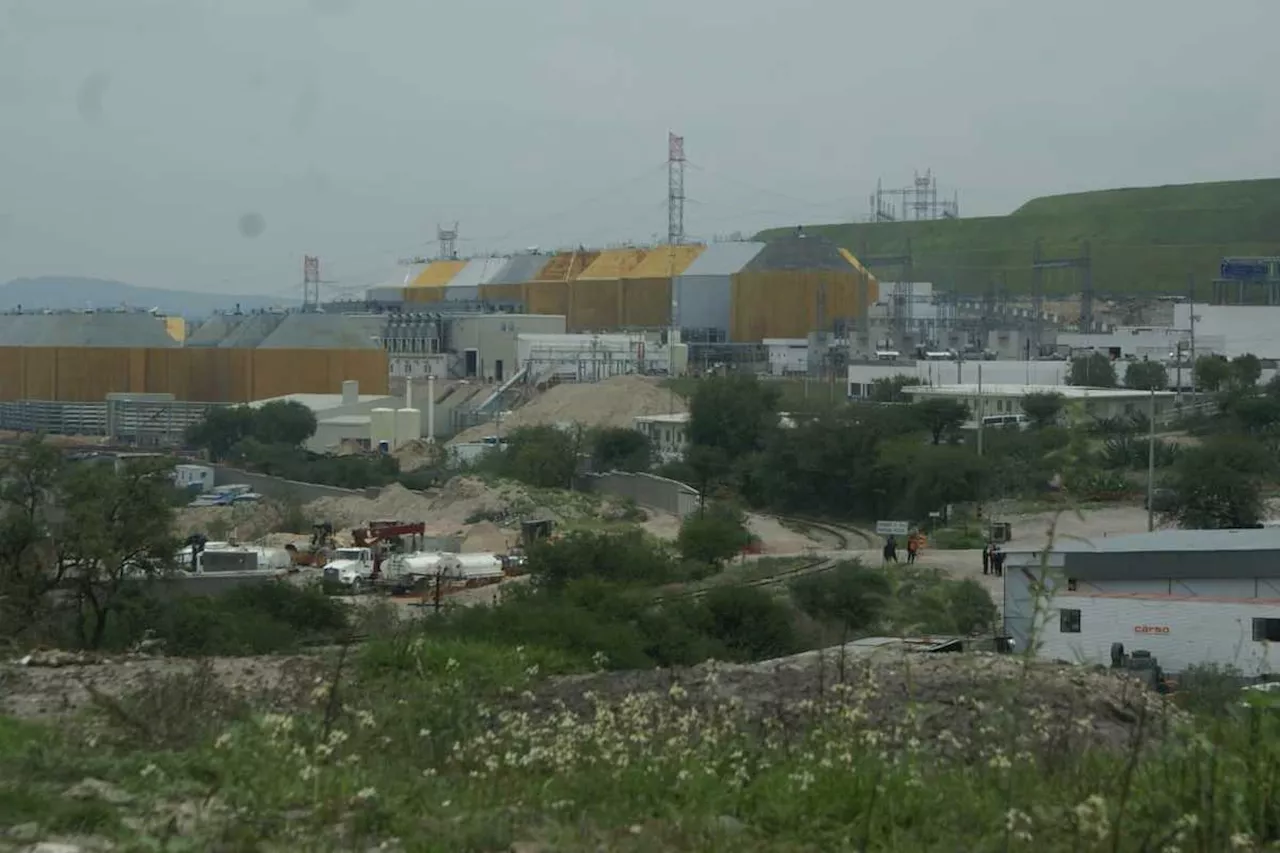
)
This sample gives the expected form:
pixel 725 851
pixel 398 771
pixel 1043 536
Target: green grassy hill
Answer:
pixel 1144 240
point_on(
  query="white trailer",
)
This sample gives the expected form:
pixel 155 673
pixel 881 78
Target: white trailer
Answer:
pixel 1179 631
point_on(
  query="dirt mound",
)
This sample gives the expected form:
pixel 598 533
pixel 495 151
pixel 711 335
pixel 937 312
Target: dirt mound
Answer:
pixel 67 688
pixel 488 537
pixel 615 402
pixel 955 697
pixel 394 502
pixel 418 453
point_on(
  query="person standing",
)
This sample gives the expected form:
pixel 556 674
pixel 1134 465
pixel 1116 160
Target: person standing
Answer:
pixel 891 550
pixel 913 545
pixel 997 562
pixel 986 559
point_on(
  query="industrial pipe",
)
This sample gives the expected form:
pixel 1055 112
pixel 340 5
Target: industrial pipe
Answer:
pixel 431 408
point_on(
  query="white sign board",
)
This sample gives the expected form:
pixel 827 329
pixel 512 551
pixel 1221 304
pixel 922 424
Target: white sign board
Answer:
pixel 892 528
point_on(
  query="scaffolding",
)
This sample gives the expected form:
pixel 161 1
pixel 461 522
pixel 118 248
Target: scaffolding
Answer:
pixel 916 202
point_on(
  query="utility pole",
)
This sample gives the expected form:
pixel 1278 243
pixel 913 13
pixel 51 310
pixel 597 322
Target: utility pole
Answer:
pixel 1191 304
pixel 1151 464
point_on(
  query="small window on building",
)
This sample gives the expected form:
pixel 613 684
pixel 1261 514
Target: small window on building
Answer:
pixel 1069 621
pixel 1266 630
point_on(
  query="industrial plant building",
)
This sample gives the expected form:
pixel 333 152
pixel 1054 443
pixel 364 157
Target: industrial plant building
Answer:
pixel 1186 597
pixel 723 292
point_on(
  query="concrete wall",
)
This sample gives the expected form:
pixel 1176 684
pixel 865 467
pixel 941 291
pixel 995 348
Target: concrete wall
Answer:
pixel 494 337
pixel 647 490
pixel 278 487
pixel 965 372
pixel 1232 330
pixel 1179 633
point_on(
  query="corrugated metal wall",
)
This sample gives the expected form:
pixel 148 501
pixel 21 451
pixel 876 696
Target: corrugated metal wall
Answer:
pixel 549 293
pixel 784 303
pixel 646 289
pixel 205 374
pixel 595 297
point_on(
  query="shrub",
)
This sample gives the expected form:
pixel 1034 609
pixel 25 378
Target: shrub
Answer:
pixel 714 535
pixel 849 595
pixel 627 557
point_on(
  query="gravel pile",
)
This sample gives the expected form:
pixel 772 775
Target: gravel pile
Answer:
pixel 615 402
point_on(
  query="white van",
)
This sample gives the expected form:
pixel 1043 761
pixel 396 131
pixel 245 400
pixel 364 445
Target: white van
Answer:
pixel 1019 420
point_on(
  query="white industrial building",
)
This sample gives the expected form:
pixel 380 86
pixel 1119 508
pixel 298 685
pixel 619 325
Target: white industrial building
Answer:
pixel 863 375
pixel 1187 597
pixel 667 434
pixel 1096 403
pixel 1138 342
pixel 787 356
pixel 349 416
pixel 592 357
pixel 1232 330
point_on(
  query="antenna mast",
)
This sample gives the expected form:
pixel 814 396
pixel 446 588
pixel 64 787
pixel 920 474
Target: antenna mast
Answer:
pixel 675 189
pixel 310 283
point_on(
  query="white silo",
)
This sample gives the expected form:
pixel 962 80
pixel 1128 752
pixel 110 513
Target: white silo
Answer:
pixel 382 429
pixel 408 426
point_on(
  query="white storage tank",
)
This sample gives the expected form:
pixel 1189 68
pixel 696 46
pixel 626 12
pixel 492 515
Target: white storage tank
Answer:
pixel 478 567
pixel 408 426
pixel 382 428
pixel 428 564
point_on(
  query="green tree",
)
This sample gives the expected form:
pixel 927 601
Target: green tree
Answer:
pixel 283 422
pixel 540 456
pixel 714 535
pixel 1246 370
pixel 1212 373
pixel 116 528
pixel 930 477
pixel 29 479
pixel 619 449
pixel 734 414
pixel 1146 376
pixel 1042 408
pixel 888 389
pixel 1092 370
pixel 221 430
pixel 1219 484
pixel 850 595
pixel 941 416
pixel 629 557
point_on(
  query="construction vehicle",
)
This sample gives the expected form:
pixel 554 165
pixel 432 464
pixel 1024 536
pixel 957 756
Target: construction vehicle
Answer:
pixel 359 567
pixel 1142 665
pixel 317 551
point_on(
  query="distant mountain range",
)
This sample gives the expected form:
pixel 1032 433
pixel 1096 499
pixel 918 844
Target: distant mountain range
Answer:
pixel 62 293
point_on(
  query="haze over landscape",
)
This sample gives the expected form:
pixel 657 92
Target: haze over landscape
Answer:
pixel 208 147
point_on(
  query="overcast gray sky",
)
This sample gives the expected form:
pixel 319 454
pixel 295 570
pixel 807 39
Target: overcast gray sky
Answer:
pixel 137 137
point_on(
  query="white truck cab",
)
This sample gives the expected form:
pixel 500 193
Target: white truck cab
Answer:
pixel 350 567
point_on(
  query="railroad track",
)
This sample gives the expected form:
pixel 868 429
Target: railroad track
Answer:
pixel 843 536
pixel 812 566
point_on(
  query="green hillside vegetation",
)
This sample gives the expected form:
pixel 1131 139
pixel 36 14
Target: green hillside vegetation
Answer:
pixel 1143 241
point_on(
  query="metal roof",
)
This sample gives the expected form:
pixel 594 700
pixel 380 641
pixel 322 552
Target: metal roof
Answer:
pixel 520 268
pixel 666 261
pixel 252 330
pixel 612 264
pixel 323 402
pixel 104 329
pixel 478 271
pixel 327 331
pixel 437 273
pixel 724 258
pixel 212 331
pixel 1255 539
pixel 799 252
pixel 1069 392
pixel 1168 555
